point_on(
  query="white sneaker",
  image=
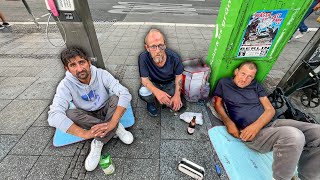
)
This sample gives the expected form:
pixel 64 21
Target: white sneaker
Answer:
pixel 124 135
pixel 301 34
pixel 93 158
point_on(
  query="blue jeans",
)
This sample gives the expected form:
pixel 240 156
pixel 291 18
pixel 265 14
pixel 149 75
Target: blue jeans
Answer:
pixel 302 26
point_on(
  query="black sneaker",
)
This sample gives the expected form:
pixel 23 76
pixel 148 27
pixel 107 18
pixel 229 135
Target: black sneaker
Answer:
pixel 6 24
pixel 152 109
pixel 1 27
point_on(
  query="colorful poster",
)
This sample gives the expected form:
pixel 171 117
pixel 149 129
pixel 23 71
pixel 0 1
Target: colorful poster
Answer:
pixel 261 31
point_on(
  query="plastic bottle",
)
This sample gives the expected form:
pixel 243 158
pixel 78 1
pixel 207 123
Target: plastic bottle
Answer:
pixel 192 126
pixel 106 164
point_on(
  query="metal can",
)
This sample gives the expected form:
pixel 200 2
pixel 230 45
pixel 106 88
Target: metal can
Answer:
pixel 106 164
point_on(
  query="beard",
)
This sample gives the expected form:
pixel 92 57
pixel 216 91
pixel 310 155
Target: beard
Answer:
pixel 158 59
pixel 83 74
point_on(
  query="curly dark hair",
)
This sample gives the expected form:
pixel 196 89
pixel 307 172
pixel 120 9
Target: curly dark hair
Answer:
pixel 67 54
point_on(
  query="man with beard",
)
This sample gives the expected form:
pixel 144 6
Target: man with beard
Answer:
pixel 99 100
pixel 161 74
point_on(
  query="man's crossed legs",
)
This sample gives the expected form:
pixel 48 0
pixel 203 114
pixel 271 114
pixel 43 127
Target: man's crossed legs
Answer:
pixel 86 120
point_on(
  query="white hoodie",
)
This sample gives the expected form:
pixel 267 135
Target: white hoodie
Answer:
pixel 90 97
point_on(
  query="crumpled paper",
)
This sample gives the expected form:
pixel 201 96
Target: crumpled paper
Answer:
pixel 187 117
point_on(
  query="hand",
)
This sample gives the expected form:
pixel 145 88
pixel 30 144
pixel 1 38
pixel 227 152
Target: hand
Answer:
pixel 101 130
pixel 176 103
pixel 316 7
pixel 249 133
pixel 233 130
pixel 163 97
pixel 87 134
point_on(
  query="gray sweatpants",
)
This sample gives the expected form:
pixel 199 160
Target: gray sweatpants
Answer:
pixel 294 143
pixel 87 119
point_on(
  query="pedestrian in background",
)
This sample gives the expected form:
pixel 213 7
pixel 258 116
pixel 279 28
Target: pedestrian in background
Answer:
pixel 4 22
pixel 303 28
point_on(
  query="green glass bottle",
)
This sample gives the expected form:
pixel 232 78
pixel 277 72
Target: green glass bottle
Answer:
pixel 106 164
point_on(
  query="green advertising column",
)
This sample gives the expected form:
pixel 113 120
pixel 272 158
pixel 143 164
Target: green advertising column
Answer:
pixel 255 30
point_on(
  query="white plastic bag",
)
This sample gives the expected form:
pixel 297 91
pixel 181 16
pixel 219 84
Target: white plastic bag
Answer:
pixel 187 116
pixel 195 82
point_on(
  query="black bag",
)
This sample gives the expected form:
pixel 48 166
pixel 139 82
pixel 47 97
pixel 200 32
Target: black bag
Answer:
pixel 298 115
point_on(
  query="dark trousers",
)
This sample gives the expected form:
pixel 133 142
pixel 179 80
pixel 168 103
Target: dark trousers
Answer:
pixel 87 119
pixel 168 88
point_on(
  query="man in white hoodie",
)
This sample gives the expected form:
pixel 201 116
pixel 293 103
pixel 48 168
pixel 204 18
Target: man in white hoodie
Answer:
pixel 99 100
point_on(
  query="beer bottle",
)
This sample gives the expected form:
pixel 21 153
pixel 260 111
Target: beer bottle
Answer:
pixel 192 126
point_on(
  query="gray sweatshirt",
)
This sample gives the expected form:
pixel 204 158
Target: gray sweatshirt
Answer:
pixel 90 97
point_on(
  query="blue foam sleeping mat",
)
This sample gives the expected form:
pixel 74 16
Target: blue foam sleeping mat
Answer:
pixel 61 138
pixel 239 161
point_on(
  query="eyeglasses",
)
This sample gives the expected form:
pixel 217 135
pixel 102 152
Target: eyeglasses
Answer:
pixel 161 47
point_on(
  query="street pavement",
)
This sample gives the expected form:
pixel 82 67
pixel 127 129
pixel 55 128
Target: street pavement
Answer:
pixel 30 71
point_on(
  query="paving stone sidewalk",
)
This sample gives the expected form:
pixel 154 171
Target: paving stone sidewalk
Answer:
pixel 30 71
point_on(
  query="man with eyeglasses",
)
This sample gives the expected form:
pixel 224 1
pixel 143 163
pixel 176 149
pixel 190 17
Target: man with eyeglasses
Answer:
pixel 89 103
pixel 161 74
pixel 246 111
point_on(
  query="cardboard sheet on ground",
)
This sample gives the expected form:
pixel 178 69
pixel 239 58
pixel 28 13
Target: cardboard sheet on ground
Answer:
pixel 61 138
pixel 239 161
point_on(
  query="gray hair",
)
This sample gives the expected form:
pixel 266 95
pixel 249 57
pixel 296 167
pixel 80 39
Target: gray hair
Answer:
pixel 152 30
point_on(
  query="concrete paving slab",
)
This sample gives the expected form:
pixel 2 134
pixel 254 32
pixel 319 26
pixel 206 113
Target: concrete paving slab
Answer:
pixel 33 141
pixel 141 104
pixel 141 169
pixel 19 115
pixel 49 167
pixel 131 72
pixel 43 88
pixel 116 60
pixel 128 40
pixel 116 148
pixel 16 167
pixel 172 151
pixel 99 174
pixel 136 51
pixel 124 45
pixel 187 46
pixel 7 142
pixel 48 51
pixel 12 87
pixel 112 69
pixel 146 144
pixel 30 72
pixel 132 60
pixel 52 72
pixel 2 78
pixel 10 71
pixel 108 45
pixel 15 50
pixel 42 120
pixel 182 40
pixel 68 150
pixel 28 62
pixel 144 121
pixel 121 52
pixel 4 103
